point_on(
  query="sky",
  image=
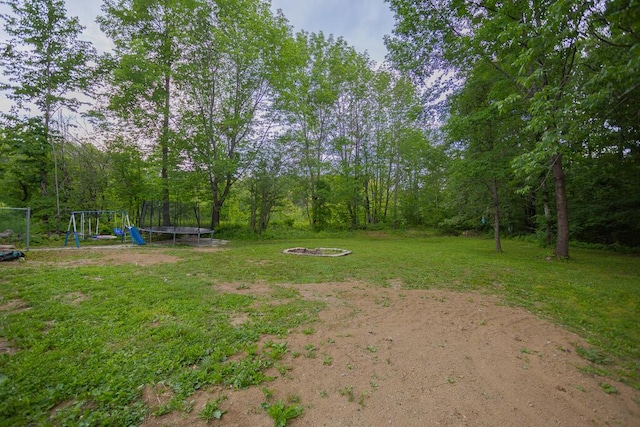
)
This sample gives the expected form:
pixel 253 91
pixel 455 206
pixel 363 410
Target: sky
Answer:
pixel 362 23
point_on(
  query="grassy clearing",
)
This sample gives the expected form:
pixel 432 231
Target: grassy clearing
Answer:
pixel 80 342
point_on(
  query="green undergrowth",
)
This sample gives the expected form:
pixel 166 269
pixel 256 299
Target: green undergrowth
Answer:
pixel 82 341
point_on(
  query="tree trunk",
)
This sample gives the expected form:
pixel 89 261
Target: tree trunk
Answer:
pixel 164 141
pixel 562 244
pixel 215 215
pixel 496 215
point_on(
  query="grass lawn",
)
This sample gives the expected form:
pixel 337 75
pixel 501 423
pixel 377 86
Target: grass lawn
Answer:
pixel 81 337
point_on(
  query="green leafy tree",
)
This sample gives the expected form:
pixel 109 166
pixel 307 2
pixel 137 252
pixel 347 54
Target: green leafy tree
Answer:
pixel 538 45
pixel 308 104
pixel 486 139
pixel 149 39
pixel 233 54
pixel 46 65
pixel 25 161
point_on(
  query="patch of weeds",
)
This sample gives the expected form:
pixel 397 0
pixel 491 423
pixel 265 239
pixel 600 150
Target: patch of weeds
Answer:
pixel 243 286
pixel 309 331
pixel 579 388
pixel 293 398
pixel 280 292
pixel 251 349
pixel 331 341
pixel 592 370
pixel 282 369
pixel 450 380
pixel 526 361
pixel 311 351
pixel 608 388
pixel 295 354
pixel 244 373
pixel 324 393
pixel 282 413
pixel 384 302
pixel 362 397
pixel 350 366
pixel 529 351
pixel 372 349
pixel 268 394
pixel 373 384
pixel 211 410
pixel 348 393
pixel 594 355
pixel 275 351
pixel 328 360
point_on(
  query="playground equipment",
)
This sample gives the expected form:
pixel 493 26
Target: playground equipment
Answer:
pixel 183 219
pixel 83 224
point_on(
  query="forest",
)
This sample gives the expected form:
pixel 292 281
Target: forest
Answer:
pixel 493 118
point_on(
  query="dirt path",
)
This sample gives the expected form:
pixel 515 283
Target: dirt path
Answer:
pixel 392 357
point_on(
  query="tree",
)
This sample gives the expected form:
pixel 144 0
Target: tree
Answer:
pixel 25 162
pixel 309 102
pixel 267 185
pixel 486 139
pixel 234 51
pixel 47 65
pixel 149 41
pixel 537 45
pixel 354 121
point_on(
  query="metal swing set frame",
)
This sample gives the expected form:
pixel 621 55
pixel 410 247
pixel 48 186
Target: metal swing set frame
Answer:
pixel 83 224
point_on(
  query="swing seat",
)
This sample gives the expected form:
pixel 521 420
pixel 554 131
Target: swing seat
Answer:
pixel 118 232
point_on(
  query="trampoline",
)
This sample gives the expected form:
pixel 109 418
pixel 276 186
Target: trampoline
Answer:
pixel 174 219
pixel 175 231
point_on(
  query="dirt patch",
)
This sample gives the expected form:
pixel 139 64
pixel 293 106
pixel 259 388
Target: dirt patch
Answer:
pixel 110 255
pixel 415 358
pixel 73 298
pixel 141 259
pixel 254 289
pixel 156 396
pixel 7 347
pixel 15 306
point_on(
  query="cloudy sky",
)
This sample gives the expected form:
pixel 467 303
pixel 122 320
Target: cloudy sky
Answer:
pixel 362 23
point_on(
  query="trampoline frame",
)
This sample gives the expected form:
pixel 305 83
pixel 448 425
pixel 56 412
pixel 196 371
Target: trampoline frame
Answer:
pixel 192 231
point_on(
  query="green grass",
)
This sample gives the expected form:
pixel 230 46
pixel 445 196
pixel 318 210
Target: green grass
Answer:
pixel 89 338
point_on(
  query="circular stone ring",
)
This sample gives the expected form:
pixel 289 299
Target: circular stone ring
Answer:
pixel 317 251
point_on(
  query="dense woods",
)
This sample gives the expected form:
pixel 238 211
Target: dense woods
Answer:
pixel 505 118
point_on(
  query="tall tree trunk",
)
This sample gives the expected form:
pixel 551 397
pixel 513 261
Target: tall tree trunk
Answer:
pixel 562 244
pixel 496 215
pixel 164 141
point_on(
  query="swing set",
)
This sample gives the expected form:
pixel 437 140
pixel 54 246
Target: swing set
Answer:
pixel 93 224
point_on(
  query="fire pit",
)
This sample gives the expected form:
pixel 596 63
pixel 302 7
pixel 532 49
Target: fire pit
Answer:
pixel 317 251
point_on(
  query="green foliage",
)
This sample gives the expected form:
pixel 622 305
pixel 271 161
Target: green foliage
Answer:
pixel 541 85
pixel 211 410
pixel 26 164
pixel 281 413
pixel 44 57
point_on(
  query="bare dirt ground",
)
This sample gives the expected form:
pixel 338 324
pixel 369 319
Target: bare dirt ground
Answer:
pixel 392 357
pixel 395 357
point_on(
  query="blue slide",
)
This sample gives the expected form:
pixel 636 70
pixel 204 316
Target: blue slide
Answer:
pixel 135 235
